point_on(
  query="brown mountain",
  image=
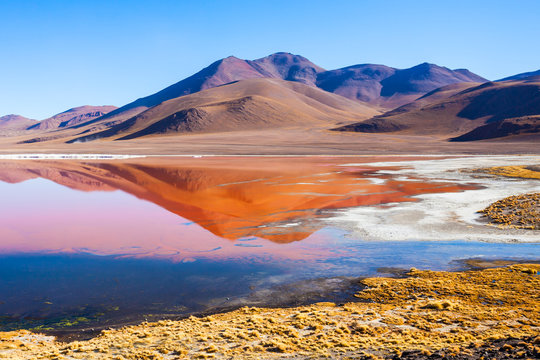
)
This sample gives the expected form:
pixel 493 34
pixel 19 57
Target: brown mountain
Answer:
pixel 525 125
pixel 389 87
pixel 281 65
pixel 72 117
pixel 377 84
pixel 15 122
pixel 481 111
pixel 250 104
pixel 287 67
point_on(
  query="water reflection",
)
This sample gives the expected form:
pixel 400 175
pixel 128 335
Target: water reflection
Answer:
pixel 247 200
pixel 82 243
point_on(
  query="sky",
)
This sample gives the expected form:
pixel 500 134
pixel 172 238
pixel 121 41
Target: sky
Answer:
pixel 55 55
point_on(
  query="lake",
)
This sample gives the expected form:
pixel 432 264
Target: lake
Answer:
pixel 89 244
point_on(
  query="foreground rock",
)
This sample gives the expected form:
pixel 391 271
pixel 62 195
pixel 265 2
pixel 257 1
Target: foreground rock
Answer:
pixel 493 313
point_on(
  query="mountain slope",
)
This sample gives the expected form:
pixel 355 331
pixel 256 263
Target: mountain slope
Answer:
pixel 287 67
pixel 243 105
pixel 389 87
pixel 521 76
pixel 460 109
pixel 377 84
pixel 525 125
pixel 362 82
pixel 15 122
pixel 279 66
pixel 72 117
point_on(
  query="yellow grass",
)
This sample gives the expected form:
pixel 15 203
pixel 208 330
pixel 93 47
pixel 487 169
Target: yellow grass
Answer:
pixel 425 311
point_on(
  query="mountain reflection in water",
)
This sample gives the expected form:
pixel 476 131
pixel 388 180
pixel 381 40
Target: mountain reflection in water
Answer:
pixel 246 200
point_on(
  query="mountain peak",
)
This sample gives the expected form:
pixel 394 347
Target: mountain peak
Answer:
pixel 287 66
pixel 423 78
pixel 11 117
pixel 230 59
pixel 366 82
pixel 15 122
pixel 73 116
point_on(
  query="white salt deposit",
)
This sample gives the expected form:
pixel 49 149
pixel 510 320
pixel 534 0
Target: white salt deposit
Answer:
pixel 444 216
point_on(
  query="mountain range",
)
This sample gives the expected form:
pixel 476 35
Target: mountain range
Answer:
pixel 376 84
pixel 72 117
pixel 284 90
pixel 465 112
pixel 64 119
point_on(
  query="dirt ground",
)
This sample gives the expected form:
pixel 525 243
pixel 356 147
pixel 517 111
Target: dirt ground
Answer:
pixel 283 141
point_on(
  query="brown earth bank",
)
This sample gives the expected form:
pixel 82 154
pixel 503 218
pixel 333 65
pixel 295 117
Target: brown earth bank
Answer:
pixel 492 313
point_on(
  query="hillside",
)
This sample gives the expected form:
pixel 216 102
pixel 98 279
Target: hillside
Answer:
pixel 378 85
pixel 287 67
pixel 521 76
pixel 72 117
pixel 15 122
pixel 389 87
pixel 482 111
pixel 243 105
pixel 279 66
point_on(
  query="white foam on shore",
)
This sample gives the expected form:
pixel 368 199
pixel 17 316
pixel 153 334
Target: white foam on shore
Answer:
pixel 444 216
pixel 66 156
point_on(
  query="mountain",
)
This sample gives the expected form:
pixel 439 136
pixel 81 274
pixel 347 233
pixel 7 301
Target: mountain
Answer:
pixel 15 122
pixel 72 117
pixel 525 125
pixel 278 90
pixel 249 104
pixel 521 76
pixel 280 65
pixel 389 87
pixel 489 110
pixel 287 67
pixel 377 84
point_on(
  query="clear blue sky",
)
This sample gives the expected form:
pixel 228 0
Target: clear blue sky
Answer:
pixel 60 54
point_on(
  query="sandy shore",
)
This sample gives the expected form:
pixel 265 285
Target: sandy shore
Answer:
pixel 465 314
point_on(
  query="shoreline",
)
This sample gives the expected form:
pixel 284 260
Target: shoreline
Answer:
pixel 384 313
pixel 339 290
pixel 443 216
pixel 461 219
pixel 60 156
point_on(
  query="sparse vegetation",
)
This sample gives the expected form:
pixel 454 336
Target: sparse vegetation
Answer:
pixel 462 314
pixel 519 212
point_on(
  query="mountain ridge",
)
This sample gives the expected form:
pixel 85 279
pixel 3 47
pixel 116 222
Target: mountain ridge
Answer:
pixel 464 112
pixel 521 76
pixel 72 117
pixel 242 105
pixel 15 122
pixel 284 66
